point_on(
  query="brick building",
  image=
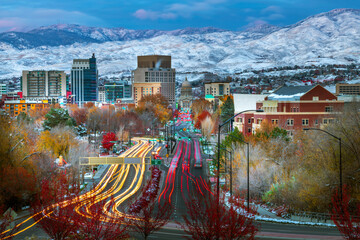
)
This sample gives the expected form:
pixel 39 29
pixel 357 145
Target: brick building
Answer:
pixel 293 108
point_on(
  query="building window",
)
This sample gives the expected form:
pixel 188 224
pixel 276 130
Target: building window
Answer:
pixel 249 130
pixel 290 122
pixel 329 109
pixel 259 120
pixel 249 121
pixel 275 121
pixel 305 122
pixel 316 98
pixel 316 122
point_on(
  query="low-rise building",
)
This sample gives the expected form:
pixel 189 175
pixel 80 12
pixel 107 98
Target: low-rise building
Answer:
pixel 15 107
pixel 293 108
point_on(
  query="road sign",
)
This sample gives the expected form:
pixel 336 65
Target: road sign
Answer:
pixel 155 161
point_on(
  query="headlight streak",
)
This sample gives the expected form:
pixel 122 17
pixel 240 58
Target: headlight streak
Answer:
pixel 98 188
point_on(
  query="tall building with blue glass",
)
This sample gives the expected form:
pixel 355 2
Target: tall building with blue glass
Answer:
pixel 84 80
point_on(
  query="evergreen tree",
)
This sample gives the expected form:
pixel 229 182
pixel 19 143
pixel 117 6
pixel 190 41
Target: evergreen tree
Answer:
pixel 58 117
pixel 227 109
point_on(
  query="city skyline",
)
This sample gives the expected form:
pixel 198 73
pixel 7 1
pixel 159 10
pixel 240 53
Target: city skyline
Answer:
pixel 163 15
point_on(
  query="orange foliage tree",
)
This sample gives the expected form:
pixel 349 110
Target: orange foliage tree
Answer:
pixel 201 117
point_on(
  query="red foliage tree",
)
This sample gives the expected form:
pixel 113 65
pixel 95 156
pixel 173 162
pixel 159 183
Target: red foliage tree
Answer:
pixel 96 225
pixel 204 114
pixel 150 216
pixel 349 226
pixel 209 219
pixel 6 230
pixel 107 138
pixel 54 208
pixel 80 115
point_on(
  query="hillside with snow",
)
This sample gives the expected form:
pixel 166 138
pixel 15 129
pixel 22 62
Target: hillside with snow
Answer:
pixel 326 38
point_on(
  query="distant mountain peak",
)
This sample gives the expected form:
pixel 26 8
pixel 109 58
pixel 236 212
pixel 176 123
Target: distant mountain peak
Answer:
pixel 262 28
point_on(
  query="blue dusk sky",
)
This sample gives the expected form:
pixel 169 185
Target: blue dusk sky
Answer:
pixel 23 15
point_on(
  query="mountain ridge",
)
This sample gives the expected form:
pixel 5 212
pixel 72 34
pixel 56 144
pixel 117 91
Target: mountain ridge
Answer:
pixel 316 40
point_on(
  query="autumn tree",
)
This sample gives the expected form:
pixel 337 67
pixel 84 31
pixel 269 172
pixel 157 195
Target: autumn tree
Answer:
pixel 347 222
pixel 58 141
pixel 7 226
pixel 53 208
pixel 58 117
pixel 94 120
pixel 210 217
pixel 200 105
pixel 95 225
pixel 17 179
pixel 79 115
pixel 207 127
pixel 200 118
pixel 147 215
pixel 107 140
pixel 153 109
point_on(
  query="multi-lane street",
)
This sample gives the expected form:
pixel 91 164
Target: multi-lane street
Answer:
pixel 120 182
pixel 184 175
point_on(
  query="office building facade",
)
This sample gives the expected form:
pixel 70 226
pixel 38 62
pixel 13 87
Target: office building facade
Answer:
pixel 84 80
pixel 154 75
pixel 347 89
pixel 117 90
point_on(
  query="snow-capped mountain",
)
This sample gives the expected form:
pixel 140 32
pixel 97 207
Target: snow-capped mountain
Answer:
pixel 326 38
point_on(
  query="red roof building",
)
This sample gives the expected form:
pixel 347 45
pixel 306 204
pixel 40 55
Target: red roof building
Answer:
pixel 293 108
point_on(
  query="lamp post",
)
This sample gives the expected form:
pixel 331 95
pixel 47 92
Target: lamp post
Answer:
pixel 340 161
pixel 231 159
pixel 247 172
pixel 219 133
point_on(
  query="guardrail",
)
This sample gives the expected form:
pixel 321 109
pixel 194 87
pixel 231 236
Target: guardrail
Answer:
pixel 314 217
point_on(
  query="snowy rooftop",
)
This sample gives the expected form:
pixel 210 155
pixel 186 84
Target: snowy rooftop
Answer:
pixel 289 93
pixel 244 102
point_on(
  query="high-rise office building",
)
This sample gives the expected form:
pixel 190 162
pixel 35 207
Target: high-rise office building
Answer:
pixel 117 90
pixel 84 80
pixel 43 84
pixel 154 75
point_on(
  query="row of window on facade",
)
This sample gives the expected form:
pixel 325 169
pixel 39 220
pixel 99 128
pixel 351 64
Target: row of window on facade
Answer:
pixel 289 121
pixel 161 74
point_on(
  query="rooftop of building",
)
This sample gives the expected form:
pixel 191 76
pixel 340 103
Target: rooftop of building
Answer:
pixel 289 93
pixel 244 102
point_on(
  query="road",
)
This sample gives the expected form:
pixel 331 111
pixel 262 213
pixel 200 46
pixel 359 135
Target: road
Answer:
pixel 185 180
pixel 186 174
pixel 119 183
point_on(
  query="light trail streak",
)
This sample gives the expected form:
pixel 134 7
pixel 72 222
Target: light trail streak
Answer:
pixel 98 188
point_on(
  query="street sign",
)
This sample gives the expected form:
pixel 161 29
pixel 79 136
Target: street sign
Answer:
pixel 155 161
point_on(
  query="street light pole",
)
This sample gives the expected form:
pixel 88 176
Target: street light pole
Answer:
pixel 340 160
pixel 247 172
pixel 219 133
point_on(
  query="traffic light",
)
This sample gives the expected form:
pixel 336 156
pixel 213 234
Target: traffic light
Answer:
pixel 167 146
